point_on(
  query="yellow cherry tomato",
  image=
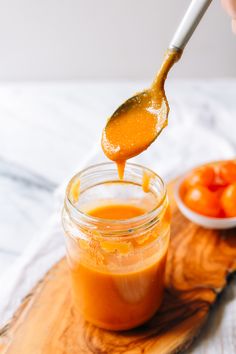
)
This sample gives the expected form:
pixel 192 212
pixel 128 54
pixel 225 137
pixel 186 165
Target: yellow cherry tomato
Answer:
pixel 227 172
pixel 203 201
pixel 228 200
pixel 203 176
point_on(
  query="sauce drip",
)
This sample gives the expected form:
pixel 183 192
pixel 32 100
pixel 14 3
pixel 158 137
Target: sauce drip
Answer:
pixel 121 168
pixel 147 176
pixel 117 211
pixel 75 191
pixel 138 122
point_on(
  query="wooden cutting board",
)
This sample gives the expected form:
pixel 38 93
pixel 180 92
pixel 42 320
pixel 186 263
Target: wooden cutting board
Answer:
pixel 199 263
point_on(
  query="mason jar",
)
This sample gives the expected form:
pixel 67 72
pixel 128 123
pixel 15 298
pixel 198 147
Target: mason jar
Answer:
pixel 117 266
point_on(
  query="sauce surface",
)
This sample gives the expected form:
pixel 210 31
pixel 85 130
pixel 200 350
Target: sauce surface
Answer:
pixel 126 290
pixel 117 212
pixel 138 122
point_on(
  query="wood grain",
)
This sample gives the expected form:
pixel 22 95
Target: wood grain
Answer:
pixel 199 263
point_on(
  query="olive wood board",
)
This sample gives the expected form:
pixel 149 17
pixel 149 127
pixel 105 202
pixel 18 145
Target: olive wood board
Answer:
pixel 198 266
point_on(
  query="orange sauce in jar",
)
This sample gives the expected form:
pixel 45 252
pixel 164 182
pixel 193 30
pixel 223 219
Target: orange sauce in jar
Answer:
pixel 117 238
pixel 124 287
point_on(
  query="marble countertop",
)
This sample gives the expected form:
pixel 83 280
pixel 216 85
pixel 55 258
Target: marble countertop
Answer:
pixel 42 138
pixel 47 129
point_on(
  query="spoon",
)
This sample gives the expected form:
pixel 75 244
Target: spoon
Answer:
pixel 140 119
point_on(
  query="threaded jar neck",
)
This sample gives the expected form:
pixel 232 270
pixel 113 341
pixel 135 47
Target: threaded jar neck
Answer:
pixel 100 183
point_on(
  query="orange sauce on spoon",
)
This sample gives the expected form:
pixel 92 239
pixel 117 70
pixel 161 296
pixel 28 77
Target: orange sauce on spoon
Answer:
pixel 138 122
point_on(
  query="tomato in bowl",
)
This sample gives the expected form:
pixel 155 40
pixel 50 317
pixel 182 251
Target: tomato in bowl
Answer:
pixel 207 195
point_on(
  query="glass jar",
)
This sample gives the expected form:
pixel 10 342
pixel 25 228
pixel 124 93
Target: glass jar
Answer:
pixel 117 266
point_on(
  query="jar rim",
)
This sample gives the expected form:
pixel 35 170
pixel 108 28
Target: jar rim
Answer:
pixel 88 219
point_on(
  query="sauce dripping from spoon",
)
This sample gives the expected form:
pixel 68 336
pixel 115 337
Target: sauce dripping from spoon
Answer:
pixel 138 121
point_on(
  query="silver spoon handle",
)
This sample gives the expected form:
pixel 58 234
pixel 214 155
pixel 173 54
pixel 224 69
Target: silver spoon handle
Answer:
pixel 187 26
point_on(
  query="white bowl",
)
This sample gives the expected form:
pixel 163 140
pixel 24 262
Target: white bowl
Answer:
pixel 205 221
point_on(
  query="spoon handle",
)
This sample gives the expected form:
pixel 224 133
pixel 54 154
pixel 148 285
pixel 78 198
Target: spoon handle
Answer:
pixel 187 26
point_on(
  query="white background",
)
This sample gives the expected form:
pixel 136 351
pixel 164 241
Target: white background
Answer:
pixel 108 39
